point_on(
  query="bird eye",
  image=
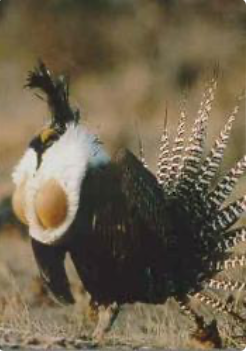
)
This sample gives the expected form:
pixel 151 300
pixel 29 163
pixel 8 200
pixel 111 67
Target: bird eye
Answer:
pixel 43 141
pixel 48 134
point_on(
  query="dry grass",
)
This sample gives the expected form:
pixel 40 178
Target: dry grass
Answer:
pixel 29 319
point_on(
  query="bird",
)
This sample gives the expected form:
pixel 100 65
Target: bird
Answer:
pixel 133 235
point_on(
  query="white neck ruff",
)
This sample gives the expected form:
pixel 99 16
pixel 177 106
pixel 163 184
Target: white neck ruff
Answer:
pixel 66 161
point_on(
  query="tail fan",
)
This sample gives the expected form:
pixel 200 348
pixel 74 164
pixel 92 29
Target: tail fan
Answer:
pixel 204 241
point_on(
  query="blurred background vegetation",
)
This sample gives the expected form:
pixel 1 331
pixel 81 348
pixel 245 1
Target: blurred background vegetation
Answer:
pixel 127 60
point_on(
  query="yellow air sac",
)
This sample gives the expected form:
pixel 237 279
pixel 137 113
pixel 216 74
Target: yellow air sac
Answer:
pixel 51 205
pixel 18 203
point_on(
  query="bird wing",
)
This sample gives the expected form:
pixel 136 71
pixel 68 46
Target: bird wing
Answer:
pixel 50 260
pixel 127 218
pixel 120 220
pixel 143 192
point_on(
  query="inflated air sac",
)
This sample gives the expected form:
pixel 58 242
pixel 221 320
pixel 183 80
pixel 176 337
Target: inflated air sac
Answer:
pixel 18 202
pixel 51 205
pixel 53 187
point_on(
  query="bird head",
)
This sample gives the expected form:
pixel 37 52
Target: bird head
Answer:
pixel 49 176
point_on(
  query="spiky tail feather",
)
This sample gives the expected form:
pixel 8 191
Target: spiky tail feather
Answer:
pixel 164 156
pixel 177 151
pixel 213 161
pixel 195 148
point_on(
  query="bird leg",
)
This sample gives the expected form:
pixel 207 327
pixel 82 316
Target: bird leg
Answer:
pixel 106 317
pixel 207 335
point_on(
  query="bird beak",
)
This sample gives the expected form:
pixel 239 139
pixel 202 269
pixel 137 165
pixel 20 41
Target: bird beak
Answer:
pixel 18 202
pixel 51 205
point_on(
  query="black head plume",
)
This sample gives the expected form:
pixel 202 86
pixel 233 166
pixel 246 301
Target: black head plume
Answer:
pixel 57 91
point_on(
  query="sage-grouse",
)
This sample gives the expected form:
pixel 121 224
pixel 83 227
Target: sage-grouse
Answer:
pixel 132 235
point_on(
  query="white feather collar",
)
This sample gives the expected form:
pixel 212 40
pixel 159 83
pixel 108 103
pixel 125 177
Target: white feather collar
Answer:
pixel 66 161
